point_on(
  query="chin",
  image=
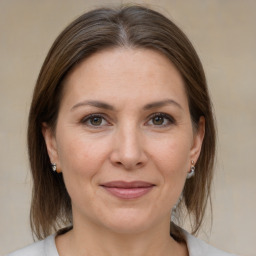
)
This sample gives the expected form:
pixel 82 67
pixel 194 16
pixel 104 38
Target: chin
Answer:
pixel 128 228
pixel 129 221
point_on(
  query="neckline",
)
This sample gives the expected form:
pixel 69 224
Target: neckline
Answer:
pixel 51 248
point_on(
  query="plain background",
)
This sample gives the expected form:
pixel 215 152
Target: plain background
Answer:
pixel 224 34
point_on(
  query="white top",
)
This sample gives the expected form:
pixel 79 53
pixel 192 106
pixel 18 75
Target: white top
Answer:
pixel 47 247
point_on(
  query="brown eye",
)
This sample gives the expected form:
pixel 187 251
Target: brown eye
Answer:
pixel 95 121
pixel 161 120
pixel 158 120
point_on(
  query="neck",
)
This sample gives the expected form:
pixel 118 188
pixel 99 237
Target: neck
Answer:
pixel 92 240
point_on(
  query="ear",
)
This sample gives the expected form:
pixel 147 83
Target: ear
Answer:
pixel 50 142
pixel 198 140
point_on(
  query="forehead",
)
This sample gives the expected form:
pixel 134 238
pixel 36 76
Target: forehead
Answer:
pixel 122 73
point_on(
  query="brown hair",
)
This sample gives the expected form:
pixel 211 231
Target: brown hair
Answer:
pixel 132 27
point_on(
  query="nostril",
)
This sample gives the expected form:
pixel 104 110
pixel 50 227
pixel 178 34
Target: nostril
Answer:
pixel 129 165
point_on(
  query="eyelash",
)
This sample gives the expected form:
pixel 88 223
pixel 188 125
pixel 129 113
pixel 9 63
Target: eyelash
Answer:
pixel 89 118
pixel 169 118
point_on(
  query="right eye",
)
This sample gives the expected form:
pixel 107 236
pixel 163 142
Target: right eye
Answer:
pixel 94 120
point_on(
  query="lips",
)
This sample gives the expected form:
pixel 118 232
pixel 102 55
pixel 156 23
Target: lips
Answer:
pixel 128 190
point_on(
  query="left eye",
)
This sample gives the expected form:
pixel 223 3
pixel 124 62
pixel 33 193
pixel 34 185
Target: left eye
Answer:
pixel 160 119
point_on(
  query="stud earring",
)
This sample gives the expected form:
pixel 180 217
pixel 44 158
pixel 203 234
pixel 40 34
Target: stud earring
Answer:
pixel 54 167
pixel 192 170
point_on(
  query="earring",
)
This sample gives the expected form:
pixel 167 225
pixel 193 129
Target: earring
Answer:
pixel 192 170
pixel 54 167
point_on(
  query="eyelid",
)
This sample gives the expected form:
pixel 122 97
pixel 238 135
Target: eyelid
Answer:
pixel 88 117
pixel 85 119
pixel 170 119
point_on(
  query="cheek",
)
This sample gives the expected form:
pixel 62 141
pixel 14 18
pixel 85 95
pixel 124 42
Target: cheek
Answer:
pixel 79 153
pixel 172 155
pixel 172 161
pixel 81 160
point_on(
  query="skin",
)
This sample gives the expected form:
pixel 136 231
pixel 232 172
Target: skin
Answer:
pixel 127 140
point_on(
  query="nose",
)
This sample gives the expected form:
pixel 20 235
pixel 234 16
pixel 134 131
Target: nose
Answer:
pixel 128 149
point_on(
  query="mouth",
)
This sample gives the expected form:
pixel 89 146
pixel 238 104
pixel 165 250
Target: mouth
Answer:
pixel 128 190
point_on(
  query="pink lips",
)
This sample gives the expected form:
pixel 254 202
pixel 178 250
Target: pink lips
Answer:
pixel 128 190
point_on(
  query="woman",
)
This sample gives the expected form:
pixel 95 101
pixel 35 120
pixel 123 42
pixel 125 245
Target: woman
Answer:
pixel 121 136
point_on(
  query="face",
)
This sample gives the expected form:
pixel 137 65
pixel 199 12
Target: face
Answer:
pixel 124 140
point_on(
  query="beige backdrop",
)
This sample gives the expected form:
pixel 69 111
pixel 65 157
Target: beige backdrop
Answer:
pixel 223 32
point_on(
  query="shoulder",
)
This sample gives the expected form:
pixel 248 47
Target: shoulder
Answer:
pixel 197 247
pixel 45 247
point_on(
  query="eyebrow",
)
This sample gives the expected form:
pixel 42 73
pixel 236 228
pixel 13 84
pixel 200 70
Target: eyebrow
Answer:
pixel 93 103
pixel 161 103
pixel 103 105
